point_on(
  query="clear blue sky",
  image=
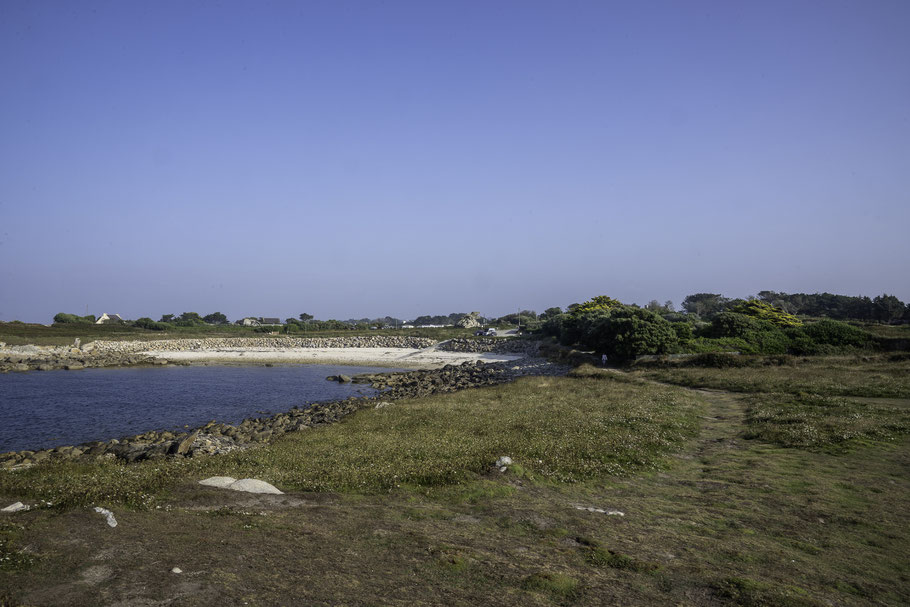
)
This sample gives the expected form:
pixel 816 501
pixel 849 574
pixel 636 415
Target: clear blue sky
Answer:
pixel 352 159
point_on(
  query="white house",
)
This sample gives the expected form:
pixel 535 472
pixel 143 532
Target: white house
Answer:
pixel 109 319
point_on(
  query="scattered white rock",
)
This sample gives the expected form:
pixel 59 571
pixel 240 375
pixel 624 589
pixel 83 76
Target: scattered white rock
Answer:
pixel 252 485
pixel 601 511
pixel 108 514
pixel 218 481
pixel 176 570
pixel 18 506
pixel 381 405
pixel 505 460
pixel 249 485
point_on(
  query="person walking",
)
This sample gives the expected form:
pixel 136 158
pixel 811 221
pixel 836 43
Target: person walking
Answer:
pixel 603 360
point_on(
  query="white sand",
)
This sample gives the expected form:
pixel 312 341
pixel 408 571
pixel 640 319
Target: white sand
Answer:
pixel 380 357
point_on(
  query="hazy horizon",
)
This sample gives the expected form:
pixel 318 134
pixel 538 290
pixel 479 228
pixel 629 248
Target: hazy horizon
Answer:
pixel 360 159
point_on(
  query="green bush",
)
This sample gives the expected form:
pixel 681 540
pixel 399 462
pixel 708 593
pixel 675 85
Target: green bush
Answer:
pixel 717 360
pixel 683 330
pixel 762 336
pixel 835 333
pixel 700 345
pixel 766 312
pixel 626 332
pixel 622 332
pixel 601 302
pixel 63 318
pixel 148 323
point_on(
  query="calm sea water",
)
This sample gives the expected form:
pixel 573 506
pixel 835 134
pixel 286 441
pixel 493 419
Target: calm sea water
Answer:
pixel 40 410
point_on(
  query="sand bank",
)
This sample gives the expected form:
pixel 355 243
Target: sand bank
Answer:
pixel 381 357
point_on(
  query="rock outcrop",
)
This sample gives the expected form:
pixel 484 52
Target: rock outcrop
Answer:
pixel 48 358
pixel 469 321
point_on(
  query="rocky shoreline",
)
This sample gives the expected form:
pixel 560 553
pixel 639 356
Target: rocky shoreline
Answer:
pixel 49 358
pixel 217 438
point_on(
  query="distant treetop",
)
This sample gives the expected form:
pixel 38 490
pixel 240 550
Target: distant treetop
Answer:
pixel 600 302
pixel 765 311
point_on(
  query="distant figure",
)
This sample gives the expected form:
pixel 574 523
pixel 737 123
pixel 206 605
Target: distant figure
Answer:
pixel 603 360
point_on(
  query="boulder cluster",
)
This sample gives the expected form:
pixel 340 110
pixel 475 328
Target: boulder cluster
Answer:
pixel 413 384
pixel 491 344
pixel 48 358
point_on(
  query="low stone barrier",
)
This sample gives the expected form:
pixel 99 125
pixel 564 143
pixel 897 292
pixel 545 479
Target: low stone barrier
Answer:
pixel 47 358
pixel 222 343
pixel 491 344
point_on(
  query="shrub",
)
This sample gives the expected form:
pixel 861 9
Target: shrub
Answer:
pixel 837 333
pixel 621 332
pixel 148 323
pixel 600 302
pixel 765 311
pixel 762 336
pixel 63 318
pixel 717 360
pixel 701 345
pixel 683 330
pixel 627 332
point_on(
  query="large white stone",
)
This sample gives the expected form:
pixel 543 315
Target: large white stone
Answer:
pixel 252 485
pixel 108 515
pixel 15 507
pixel 218 481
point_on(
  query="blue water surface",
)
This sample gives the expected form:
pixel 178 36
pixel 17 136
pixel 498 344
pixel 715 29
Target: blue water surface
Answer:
pixel 40 410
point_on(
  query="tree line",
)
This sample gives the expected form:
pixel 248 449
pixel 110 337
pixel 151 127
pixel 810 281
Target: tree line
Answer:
pixel 699 306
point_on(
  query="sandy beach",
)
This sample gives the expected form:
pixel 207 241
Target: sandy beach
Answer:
pixel 381 357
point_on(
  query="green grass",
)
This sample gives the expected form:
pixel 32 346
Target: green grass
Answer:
pixel 603 557
pixel 12 558
pixel 886 376
pixel 897 331
pixel 556 584
pixel 752 593
pixel 832 424
pixel 555 430
pixel 710 518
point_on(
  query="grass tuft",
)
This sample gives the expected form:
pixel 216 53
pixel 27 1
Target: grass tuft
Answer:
pixel 882 376
pixel 751 593
pixel 823 423
pixel 556 584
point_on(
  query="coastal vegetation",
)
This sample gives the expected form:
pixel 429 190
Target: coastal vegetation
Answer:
pixel 769 323
pixel 621 490
pixel 624 332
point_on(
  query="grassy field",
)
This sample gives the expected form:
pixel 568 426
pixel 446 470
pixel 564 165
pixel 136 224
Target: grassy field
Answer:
pixel 15 333
pixel 882 375
pixel 402 505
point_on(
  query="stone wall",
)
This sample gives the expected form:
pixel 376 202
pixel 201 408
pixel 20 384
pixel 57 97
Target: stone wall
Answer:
pixel 491 344
pixel 223 343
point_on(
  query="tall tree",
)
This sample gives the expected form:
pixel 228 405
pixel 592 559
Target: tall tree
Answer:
pixel 215 318
pixel 705 304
